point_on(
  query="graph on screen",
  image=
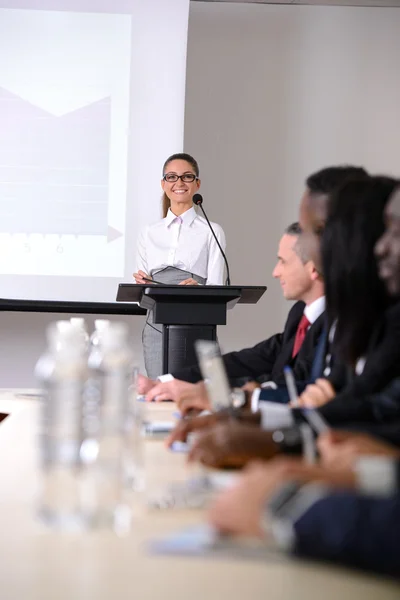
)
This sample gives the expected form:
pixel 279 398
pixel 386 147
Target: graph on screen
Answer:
pixel 64 121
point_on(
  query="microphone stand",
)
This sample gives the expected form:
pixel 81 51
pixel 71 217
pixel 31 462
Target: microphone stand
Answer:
pixel 198 200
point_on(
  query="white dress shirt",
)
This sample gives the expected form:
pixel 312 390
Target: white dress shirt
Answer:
pixel 185 242
pixel 314 310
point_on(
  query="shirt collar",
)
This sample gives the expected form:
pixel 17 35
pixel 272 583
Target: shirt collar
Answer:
pixel 315 309
pixel 187 217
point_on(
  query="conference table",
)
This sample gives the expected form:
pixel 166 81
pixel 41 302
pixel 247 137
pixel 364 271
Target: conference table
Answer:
pixel 38 563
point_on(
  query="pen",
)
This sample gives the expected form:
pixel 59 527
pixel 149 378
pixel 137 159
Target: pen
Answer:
pixel 317 422
pixel 291 386
pixel 154 281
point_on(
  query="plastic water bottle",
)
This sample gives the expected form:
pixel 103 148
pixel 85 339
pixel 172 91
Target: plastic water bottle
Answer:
pixel 99 326
pixel 106 430
pixel 93 396
pixel 62 325
pixel 134 462
pixel 80 324
pixel 62 372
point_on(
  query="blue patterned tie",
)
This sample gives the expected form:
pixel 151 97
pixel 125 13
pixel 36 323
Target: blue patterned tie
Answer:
pixel 319 356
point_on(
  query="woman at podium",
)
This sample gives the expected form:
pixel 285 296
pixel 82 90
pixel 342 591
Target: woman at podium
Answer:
pixel 178 249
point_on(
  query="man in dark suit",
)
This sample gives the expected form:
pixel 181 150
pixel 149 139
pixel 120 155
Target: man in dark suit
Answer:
pixel 294 346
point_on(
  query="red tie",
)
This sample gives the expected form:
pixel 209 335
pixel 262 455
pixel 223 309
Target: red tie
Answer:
pixel 300 334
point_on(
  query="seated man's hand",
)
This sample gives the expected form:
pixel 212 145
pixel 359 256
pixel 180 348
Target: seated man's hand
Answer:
pixel 193 398
pixel 341 449
pixel 188 396
pixel 187 426
pixel 144 384
pixel 317 394
pixel 232 444
pixel 240 509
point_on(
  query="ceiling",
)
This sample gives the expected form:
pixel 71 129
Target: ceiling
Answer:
pixel 380 3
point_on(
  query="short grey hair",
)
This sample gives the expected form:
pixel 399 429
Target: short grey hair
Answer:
pixel 294 229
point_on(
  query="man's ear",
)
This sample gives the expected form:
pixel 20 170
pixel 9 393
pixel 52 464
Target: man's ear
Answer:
pixel 314 274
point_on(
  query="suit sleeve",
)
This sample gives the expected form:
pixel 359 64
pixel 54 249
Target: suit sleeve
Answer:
pixel 377 408
pixel 375 394
pixel 253 362
pixel 383 359
pixel 352 530
pixel 249 362
pixel 260 360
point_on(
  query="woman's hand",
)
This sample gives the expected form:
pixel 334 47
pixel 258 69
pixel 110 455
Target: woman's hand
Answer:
pixel 189 281
pixel 317 394
pixel 140 277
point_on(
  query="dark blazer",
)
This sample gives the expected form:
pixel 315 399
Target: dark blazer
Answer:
pixel 353 530
pixel 373 395
pixel 379 408
pixel 267 359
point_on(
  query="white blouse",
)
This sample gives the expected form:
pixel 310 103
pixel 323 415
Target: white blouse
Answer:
pixel 185 242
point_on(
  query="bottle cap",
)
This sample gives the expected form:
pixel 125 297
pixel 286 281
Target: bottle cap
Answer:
pixel 114 335
pixel 101 324
pixel 63 334
pixel 78 322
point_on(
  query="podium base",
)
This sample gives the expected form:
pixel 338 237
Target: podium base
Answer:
pixel 178 344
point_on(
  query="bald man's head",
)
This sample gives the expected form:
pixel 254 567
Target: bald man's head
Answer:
pixel 314 204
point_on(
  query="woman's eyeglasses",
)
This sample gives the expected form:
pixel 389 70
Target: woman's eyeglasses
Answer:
pixel 173 177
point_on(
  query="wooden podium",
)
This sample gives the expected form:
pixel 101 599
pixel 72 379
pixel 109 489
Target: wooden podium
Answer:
pixel 187 313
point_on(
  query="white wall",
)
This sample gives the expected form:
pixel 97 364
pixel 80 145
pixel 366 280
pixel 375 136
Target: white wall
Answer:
pixel 273 93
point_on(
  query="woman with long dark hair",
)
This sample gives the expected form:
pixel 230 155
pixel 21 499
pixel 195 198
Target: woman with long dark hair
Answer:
pixel 363 325
pixel 178 249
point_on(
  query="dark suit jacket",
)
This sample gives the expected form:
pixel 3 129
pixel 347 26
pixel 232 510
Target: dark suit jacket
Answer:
pixel 379 408
pixel 353 530
pixel 373 395
pixel 267 359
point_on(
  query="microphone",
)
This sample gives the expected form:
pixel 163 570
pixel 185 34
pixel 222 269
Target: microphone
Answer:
pixel 198 201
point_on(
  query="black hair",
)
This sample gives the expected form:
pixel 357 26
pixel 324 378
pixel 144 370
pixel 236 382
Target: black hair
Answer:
pixel 355 295
pixel 166 203
pixel 328 179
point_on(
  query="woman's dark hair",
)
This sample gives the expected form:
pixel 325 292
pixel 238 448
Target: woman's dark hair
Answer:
pixel 166 202
pixel 355 296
